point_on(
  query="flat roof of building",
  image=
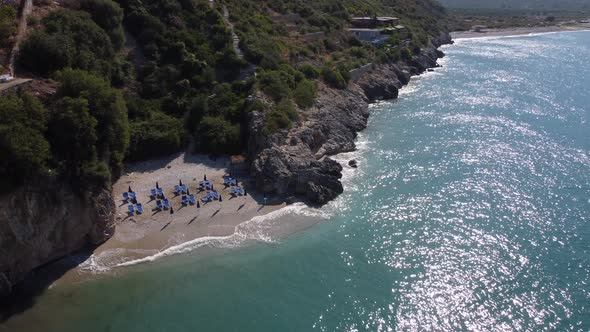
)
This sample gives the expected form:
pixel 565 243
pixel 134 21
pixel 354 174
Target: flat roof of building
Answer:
pixel 380 18
pixel 363 29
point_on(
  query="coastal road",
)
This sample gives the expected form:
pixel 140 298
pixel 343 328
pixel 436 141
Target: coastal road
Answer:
pixel 13 83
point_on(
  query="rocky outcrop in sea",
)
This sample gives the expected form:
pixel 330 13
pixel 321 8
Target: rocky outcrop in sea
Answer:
pixel 297 162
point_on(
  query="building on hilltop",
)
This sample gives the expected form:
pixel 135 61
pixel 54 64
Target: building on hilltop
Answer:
pixel 376 37
pixel 373 22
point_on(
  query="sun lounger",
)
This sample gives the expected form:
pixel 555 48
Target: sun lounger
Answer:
pixel 205 199
pixel 139 208
pixel 166 204
pixel 215 195
pixel 153 193
pixel 233 191
pixel 211 195
pixel 160 192
pixel 191 199
pixel 159 205
pixel 126 196
pixel 232 182
pixel 132 195
pixel 131 209
pixel 183 188
pixel 184 200
pixel 177 189
pixel 239 191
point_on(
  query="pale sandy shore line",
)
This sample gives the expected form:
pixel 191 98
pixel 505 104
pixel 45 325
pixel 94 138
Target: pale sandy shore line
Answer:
pixel 153 232
pixel 517 31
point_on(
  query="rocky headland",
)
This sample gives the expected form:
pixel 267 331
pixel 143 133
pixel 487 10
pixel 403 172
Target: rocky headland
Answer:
pixel 297 163
pixel 46 221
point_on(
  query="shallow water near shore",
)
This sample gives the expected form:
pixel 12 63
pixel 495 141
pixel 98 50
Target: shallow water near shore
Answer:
pixel 470 211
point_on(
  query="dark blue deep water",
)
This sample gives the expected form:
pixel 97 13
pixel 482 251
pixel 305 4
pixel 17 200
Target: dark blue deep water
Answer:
pixel 470 212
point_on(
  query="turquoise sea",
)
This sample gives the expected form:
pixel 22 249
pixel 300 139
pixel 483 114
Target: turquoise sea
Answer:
pixel 470 212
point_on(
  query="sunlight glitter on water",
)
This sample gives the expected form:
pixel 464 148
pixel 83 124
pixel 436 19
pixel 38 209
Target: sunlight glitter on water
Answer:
pixel 469 212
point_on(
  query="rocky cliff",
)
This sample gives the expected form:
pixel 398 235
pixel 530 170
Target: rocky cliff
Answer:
pixel 43 222
pixel 297 162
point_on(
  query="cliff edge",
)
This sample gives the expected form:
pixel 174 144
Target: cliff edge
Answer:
pixel 44 222
pixel 297 162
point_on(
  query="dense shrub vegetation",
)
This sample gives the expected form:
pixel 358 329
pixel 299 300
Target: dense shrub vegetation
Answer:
pixel 7 23
pixel 82 92
pixel 109 16
pixel 24 150
pixel 181 82
pixel 82 135
pixel 70 39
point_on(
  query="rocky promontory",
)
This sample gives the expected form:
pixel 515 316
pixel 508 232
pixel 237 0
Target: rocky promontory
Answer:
pixel 297 162
pixel 45 221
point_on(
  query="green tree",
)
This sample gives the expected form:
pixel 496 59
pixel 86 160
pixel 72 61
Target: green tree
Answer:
pixel 215 134
pixel 42 53
pixel 24 151
pixel 107 106
pixel 159 135
pixel 305 93
pixel 276 84
pixel 7 23
pixel 109 16
pixel 70 39
pixel 72 133
pixel 334 78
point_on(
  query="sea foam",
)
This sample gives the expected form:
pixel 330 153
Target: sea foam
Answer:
pixel 257 229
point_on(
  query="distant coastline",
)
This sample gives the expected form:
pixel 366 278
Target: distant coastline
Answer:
pixel 517 31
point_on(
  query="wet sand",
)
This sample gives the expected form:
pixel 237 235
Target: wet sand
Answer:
pixel 518 31
pixel 140 236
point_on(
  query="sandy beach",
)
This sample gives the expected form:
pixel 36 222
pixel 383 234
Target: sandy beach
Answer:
pixel 140 237
pixel 518 31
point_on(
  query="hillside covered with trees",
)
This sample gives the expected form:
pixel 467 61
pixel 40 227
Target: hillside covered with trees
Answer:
pixel 142 79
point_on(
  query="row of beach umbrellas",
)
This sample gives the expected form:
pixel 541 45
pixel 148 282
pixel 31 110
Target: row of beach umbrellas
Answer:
pixel 188 192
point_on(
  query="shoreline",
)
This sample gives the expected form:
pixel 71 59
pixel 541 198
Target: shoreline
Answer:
pixel 523 31
pixel 138 237
pixel 150 236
